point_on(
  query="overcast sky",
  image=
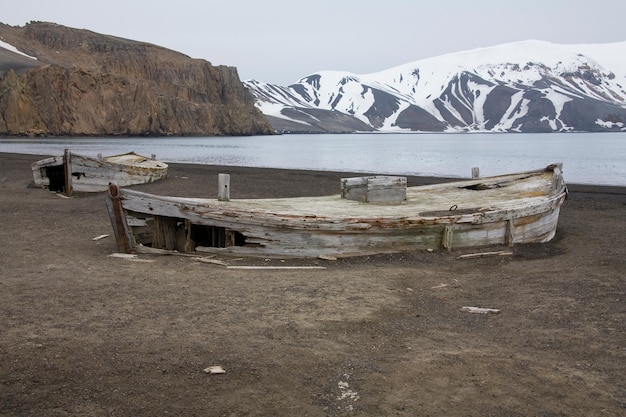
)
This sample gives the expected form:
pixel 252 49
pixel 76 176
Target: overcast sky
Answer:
pixel 281 41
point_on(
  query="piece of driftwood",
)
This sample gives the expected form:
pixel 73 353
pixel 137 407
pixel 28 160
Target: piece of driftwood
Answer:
pixel 214 370
pixel 260 267
pixel 130 257
pixel 483 254
pixel 507 209
pixel 141 249
pixel 123 255
pixel 211 261
pixel 480 310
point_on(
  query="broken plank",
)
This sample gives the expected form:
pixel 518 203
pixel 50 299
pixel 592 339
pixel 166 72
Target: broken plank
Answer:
pixel 273 267
pixel 482 254
pixel 154 251
pixel 480 310
pixel 123 255
pixel 210 261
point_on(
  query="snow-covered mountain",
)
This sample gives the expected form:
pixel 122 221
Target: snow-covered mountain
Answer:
pixel 530 86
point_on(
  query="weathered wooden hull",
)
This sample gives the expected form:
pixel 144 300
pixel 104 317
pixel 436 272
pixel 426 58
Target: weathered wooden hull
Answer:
pixel 507 209
pixel 94 174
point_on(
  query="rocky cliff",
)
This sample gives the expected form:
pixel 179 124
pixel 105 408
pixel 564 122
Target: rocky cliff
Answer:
pixel 84 83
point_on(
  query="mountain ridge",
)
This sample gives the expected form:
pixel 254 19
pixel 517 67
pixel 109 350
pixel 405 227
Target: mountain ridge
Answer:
pixel 527 86
pixel 87 84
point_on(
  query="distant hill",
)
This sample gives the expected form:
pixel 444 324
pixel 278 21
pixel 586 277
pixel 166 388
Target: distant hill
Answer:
pixel 56 80
pixel 530 86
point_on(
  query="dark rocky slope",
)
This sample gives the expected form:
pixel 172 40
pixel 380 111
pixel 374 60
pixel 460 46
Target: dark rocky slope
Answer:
pixel 84 83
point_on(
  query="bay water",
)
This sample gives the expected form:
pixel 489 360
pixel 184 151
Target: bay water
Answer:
pixel 588 158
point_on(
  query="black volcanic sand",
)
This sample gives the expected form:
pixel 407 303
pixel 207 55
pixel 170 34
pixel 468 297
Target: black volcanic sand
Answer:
pixel 86 334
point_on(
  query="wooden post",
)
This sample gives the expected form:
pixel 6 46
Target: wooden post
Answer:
pixel 223 193
pixel 509 237
pixel 67 172
pixel 190 245
pixel 118 219
pixel 475 173
pixel 446 238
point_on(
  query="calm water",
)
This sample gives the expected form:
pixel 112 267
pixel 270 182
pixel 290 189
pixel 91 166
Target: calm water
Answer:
pixel 588 158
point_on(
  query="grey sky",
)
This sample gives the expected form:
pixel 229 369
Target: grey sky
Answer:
pixel 280 41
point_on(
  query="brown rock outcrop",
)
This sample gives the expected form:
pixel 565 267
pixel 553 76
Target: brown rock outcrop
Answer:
pixel 91 84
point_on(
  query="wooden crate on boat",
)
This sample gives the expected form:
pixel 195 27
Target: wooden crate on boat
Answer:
pixel 375 189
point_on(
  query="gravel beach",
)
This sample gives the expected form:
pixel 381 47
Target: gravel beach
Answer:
pixel 87 334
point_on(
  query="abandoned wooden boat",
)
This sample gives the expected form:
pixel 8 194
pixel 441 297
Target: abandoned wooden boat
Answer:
pixel 366 218
pixel 72 172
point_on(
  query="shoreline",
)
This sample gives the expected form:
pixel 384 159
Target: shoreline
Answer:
pixel 617 192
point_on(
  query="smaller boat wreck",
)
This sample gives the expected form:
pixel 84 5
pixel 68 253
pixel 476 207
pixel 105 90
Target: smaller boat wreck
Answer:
pixel 72 172
pixel 371 215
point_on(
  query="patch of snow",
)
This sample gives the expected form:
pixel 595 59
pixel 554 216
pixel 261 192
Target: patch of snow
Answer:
pixel 274 109
pixel 608 55
pixel 14 49
pixel 608 124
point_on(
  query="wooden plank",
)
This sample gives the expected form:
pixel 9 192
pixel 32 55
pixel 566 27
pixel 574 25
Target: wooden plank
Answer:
pixel 67 172
pixel 223 193
pixel 483 254
pixel 211 261
pixel 354 188
pixel 122 232
pixel 123 255
pixel 154 251
pixel 480 310
pixel 189 243
pixel 446 238
pixel 164 233
pixel 509 239
pixel 135 222
pixel 261 267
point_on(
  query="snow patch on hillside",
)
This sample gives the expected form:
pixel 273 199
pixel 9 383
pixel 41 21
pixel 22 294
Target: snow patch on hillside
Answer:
pixel 12 48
